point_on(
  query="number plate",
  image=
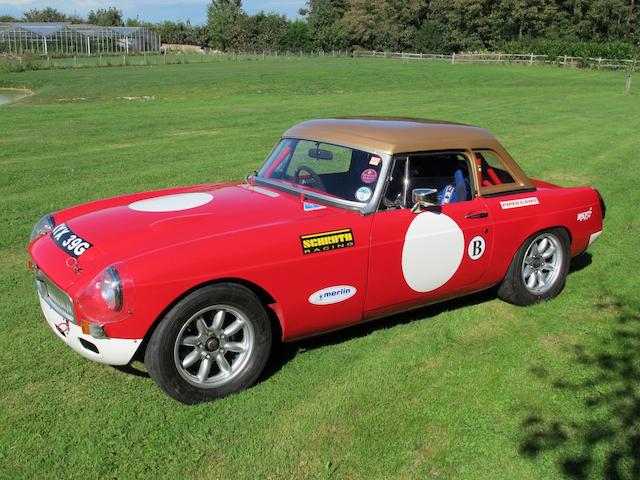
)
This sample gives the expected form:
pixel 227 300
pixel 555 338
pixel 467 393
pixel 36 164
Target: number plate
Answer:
pixel 69 241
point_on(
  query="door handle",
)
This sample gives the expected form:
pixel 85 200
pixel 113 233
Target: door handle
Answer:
pixel 477 215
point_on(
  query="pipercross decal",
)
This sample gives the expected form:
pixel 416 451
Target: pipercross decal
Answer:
pixel 520 202
pixel 326 241
pixel 68 241
pixel 330 295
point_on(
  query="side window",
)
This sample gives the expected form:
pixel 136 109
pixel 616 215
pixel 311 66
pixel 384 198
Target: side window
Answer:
pixel 447 172
pixel 492 170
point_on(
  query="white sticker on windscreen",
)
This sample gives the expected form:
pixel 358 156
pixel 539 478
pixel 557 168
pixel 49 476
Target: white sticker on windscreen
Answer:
pixel 363 194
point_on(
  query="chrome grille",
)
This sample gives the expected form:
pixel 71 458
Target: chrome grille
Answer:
pixel 55 297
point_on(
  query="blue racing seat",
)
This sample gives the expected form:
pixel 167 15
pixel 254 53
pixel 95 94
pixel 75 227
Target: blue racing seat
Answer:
pixel 455 192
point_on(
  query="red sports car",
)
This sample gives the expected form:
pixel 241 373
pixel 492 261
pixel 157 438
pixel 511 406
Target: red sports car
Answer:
pixel 348 220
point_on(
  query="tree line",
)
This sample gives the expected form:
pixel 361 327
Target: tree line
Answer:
pixel 606 28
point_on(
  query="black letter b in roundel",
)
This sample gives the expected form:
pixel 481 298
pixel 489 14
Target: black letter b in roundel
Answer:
pixel 476 248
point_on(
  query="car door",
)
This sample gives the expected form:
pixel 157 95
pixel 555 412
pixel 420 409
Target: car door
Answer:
pixel 441 252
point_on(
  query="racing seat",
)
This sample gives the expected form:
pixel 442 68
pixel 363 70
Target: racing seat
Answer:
pixel 454 192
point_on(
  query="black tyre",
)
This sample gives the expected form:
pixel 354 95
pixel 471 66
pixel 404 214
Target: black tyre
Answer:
pixel 538 270
pixel 214 342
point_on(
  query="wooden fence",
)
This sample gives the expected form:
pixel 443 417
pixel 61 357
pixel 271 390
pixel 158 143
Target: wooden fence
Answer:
pixel 521 58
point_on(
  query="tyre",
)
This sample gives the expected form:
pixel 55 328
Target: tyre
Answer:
pixel 538 270
pixel 214 342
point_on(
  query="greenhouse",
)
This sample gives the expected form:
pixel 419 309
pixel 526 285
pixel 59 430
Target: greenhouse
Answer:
pixel 59 39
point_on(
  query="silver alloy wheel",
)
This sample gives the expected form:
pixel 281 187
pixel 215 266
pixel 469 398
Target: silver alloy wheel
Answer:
pixel 542 263
pixel 214 346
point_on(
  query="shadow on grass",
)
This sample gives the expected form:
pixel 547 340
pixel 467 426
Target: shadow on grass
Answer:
pixel 285 352
pixel 606 443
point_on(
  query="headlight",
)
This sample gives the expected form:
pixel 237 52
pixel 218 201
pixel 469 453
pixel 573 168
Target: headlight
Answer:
pixel 42 227
pixel 111 289
pixel 108 297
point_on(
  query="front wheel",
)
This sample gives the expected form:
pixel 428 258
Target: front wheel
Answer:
pixel 214 342
pixel 538 270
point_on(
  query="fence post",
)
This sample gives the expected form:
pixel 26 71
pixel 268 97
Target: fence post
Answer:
pixel 75 61
pixel 531 59
pixel 599 62
pixel 453 58
pixel 629 76
pixel 48 62
pixel 565 61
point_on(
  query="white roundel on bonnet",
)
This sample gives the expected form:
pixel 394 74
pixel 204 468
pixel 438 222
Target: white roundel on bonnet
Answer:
pixel 172 203
pixel 432 252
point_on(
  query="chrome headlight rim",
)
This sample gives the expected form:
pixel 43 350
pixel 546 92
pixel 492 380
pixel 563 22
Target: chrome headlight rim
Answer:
pixel 111 288
pixel 42 227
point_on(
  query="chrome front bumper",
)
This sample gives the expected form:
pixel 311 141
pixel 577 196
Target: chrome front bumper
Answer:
pixel 112 351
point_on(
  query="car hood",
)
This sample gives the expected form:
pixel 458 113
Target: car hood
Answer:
pixel 123 228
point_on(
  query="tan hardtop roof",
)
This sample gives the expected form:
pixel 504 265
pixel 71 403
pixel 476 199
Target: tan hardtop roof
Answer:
pixel 393 134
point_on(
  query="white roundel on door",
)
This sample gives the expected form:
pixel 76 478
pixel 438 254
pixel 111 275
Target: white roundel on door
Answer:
pixel 432 252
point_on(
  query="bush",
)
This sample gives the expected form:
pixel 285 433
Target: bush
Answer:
pixel 556 48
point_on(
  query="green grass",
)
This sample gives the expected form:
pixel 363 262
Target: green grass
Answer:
pixel 472 389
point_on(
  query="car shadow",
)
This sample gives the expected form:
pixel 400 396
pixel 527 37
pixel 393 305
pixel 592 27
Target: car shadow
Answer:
pixel 283 353
pixel 603 439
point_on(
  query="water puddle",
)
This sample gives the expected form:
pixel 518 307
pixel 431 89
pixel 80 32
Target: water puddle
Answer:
pixel 8 95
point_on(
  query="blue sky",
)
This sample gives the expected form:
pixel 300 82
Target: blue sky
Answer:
pixel 150 10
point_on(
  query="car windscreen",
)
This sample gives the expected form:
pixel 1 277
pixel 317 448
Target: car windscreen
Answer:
pixel 338 171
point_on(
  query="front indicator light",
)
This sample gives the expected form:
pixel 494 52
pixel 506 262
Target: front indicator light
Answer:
pixel 94 329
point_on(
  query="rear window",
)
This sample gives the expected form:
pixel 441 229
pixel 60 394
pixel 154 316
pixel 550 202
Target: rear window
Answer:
pixel 491 170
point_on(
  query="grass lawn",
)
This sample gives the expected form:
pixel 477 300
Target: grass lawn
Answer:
pixel 469 389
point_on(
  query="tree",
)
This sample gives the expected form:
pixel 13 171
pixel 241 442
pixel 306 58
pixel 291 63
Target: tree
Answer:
pixel 221 17
pixel 325 25
pixel 361 23
pixel 296 37
pixel 270 30
pixel 47 14
pixel 7 19
pixel 106 17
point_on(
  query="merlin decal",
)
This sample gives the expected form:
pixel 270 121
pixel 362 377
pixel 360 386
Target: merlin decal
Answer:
pixel 327 241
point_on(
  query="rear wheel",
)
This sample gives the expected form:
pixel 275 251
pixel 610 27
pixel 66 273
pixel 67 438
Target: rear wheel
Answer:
pixel 214 342
pixel 538 270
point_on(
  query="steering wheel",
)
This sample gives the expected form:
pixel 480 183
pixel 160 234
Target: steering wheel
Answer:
pixel 316 181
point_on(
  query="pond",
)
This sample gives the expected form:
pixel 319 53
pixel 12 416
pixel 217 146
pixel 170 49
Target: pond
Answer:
pixel 7 96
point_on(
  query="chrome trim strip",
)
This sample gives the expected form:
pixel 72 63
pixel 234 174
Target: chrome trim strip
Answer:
pixel 49 290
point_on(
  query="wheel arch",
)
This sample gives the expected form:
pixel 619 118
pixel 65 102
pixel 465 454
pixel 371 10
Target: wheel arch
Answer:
pixel 271 306
pixel 540 230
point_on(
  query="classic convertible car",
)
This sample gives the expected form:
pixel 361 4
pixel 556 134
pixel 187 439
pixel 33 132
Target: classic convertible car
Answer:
pixel 348 220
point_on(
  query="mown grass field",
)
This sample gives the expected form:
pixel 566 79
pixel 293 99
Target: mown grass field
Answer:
pixel 470 389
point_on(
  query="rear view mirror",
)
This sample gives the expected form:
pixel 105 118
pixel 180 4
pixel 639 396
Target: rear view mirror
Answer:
pixel 320 154
pixel 423 197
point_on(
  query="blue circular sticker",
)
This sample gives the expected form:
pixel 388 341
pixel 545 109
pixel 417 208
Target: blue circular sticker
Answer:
pixel 363 194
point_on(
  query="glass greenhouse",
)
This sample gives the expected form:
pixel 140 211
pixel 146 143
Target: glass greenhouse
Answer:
pixel 75 39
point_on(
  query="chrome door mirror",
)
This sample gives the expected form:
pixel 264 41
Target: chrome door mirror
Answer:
pixel 423 197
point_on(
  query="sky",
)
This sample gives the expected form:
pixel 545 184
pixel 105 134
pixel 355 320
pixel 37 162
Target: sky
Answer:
pixel 150 10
